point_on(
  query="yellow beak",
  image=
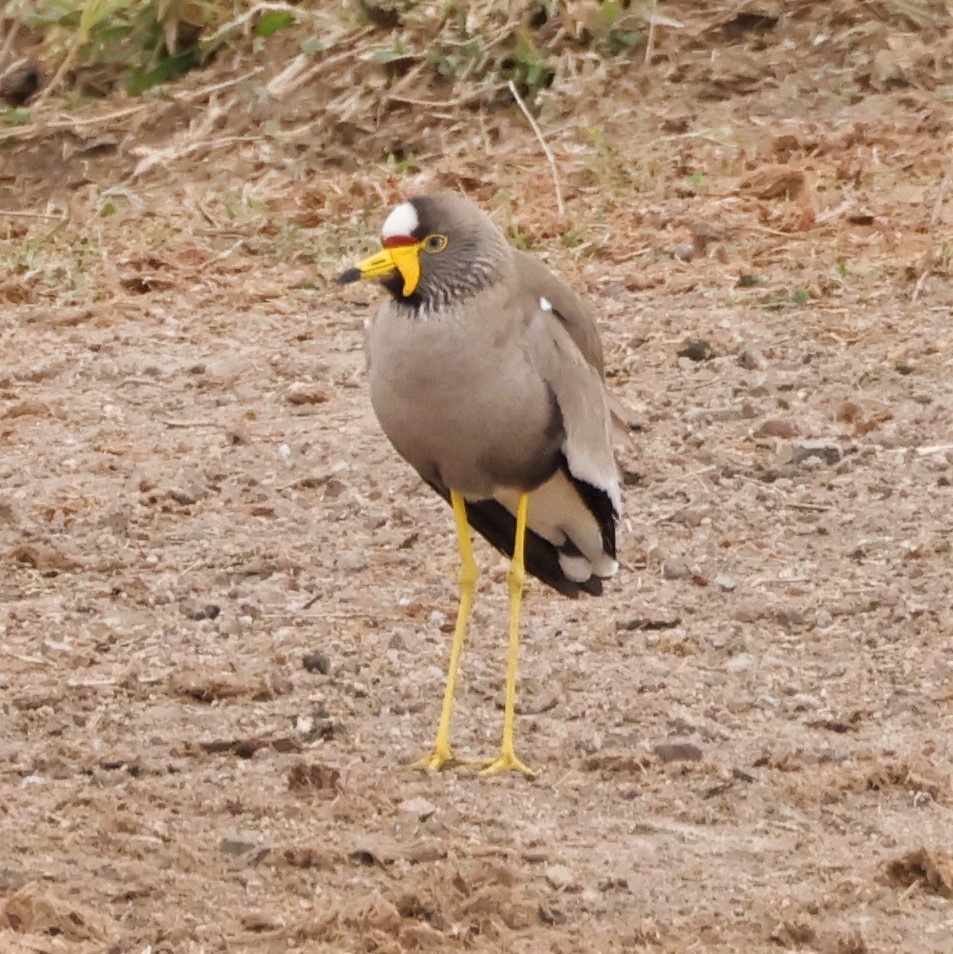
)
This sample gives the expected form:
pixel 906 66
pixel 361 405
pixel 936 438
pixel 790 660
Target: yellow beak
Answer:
pixel 402 258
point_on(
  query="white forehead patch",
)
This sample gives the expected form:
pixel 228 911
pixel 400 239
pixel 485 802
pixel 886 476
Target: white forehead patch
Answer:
pixel 402 221
pixel 545 304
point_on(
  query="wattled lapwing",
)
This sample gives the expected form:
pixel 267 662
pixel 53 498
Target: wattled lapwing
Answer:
pixel 486 374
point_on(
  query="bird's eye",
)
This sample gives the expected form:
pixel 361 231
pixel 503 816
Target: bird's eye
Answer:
pixel 435 243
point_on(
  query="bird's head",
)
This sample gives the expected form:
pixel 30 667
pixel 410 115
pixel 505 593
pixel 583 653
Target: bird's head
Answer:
pixel 436 250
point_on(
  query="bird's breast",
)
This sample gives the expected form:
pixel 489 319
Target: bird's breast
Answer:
pixel 460 406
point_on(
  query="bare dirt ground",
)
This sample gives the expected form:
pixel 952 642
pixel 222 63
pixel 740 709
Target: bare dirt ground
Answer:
pixel 744 746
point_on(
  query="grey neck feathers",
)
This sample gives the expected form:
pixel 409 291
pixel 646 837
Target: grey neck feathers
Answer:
pixel 476 265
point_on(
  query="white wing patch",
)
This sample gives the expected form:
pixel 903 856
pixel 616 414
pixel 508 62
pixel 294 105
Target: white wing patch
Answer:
pixel 545 304
pixel 556 512
pixel 403 220
pixel 585 469
pixel 576 568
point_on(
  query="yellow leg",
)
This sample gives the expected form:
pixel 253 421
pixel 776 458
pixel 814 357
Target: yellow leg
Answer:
pixel 515 578
pixel 441 756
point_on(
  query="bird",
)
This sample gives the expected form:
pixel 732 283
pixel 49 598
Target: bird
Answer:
pixel 486 373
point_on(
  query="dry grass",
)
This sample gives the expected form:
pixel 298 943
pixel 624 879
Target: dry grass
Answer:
pixel 195 495
pixel 355 107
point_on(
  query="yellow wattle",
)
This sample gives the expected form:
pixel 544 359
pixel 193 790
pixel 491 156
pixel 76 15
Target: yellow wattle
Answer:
pixel 404 258
pixel 407 260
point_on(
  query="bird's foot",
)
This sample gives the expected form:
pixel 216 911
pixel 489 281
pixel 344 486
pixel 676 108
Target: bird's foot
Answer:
pixel 441 758
pixel 506 762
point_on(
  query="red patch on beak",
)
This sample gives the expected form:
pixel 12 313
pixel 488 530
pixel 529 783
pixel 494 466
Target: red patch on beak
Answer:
pixel 395 241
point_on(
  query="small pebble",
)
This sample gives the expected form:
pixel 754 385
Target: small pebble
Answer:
pixel 559 877
pixel 849 412
pixel 678 750
pixel 314 776
pixel 752 360
pixel 419 806
pixel 800 451
pixel 676 570
pixel 317 662
pixel 238 843
pixel 315 725
pixel 791 618
pixel 687 517
pixel 696 349
pixel 777 427
pixel 193 609
pixel 301 393
pixel 230 626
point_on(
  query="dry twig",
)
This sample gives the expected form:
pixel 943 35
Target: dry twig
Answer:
pixel 919 285
pixel 8 44
pixel 28 214
pixel 940 196
pixel 546 150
